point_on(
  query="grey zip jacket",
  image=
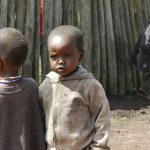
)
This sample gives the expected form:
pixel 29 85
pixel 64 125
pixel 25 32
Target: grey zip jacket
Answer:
pixel 77 112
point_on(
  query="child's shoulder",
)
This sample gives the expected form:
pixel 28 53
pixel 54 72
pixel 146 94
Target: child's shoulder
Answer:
pixel 92 82
pixel 30 82
pixel 45 83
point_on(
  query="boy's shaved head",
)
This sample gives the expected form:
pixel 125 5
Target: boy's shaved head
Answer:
pixel 13 46
pixel 68 30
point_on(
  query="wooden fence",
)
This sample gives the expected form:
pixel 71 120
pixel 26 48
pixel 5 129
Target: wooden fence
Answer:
pixel 110 28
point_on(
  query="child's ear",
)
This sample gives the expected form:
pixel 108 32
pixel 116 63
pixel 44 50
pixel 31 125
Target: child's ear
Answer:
pixel 1 65
pixel 81 55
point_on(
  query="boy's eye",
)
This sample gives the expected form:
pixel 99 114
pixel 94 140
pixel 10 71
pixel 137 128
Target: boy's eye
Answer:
pixel 68 55
pixel 53 57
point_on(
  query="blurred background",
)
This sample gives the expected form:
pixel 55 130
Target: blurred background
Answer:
pixel 110 27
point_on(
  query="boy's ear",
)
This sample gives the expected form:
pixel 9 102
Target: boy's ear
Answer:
pixel 1 64
pixel 82 54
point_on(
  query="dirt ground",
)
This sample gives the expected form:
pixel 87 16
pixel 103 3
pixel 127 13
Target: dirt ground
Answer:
pixel 130 123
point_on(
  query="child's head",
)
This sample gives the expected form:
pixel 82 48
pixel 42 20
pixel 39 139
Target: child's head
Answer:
pixel 13 50
pixel 65 47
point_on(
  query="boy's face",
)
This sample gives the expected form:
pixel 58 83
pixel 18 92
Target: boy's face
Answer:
pixel 64 55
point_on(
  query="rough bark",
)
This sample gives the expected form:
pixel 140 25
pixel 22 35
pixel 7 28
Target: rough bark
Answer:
pixel 48 26
pixel 21 15
pixel 111 50
pixel 126 49
pixel 68 12
pixel 29 34
pixel 86 27
pixel 11 13
pixel 128 29
pixel 102 34
pixel 36 74
pixel 58 13
pixel 3 13
pixel 95 41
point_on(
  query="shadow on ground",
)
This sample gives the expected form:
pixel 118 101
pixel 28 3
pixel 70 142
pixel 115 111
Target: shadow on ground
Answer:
pixel 129 102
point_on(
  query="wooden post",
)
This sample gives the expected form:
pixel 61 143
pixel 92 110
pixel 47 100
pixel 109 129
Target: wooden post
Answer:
pixel 125 49
pixel 95 41
pixel 29 34
pixel 21 15
pixel 111 50
pixel 48 25
pixel 58 13
pixel 3 13
pixel 36 47
pixel 128 29
pixel 144 12
pixel 11 13
pixel 138 16
pixel 148 10
pixel 68 12
pixel 86 27
pixel 102 34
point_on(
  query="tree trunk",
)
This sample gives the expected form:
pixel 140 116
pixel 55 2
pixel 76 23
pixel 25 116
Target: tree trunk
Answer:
pixel 11 13
pixel 29 34
pixel 138 16
pixel 68 12
pixel 21 15
pixel 132 20
pixel 125 48
pixel 48 26
pixel 36 48
pixel 111 50
pixel 102 34
pixel 58 13
pixel 96 42
pixel 139 27
pixel 86 26
pixel 144 12
pixel 128 29
pixel 148 10
pixel 3 13
pixel 77 11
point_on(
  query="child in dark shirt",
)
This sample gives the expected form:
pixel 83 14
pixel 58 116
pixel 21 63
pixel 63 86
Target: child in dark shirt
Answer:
pixel 21 126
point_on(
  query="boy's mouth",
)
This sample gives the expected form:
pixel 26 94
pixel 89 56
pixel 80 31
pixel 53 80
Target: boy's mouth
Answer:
pixel 60 68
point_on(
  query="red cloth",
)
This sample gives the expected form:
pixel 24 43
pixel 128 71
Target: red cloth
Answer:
pixel 41 17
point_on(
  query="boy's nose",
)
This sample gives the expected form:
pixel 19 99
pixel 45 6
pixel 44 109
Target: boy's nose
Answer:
pixel 61 61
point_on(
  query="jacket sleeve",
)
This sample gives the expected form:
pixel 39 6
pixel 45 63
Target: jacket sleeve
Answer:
pixel 41 105
pixel 45 94
pixel 100 110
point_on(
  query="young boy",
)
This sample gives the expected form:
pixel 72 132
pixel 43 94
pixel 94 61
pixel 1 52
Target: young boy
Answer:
pixel 21 126
pixel 76 108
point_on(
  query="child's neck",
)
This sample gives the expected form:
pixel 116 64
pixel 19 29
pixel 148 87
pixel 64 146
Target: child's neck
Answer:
pixel 71 72
pixel 9 78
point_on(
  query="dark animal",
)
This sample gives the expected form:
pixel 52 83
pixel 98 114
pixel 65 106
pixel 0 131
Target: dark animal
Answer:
pixel 142 51
pixel 142 60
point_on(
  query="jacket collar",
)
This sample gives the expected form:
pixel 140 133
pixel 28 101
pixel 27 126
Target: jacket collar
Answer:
pixel 79 74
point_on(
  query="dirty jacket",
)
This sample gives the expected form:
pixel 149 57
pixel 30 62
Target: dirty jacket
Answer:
pixel 77 112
